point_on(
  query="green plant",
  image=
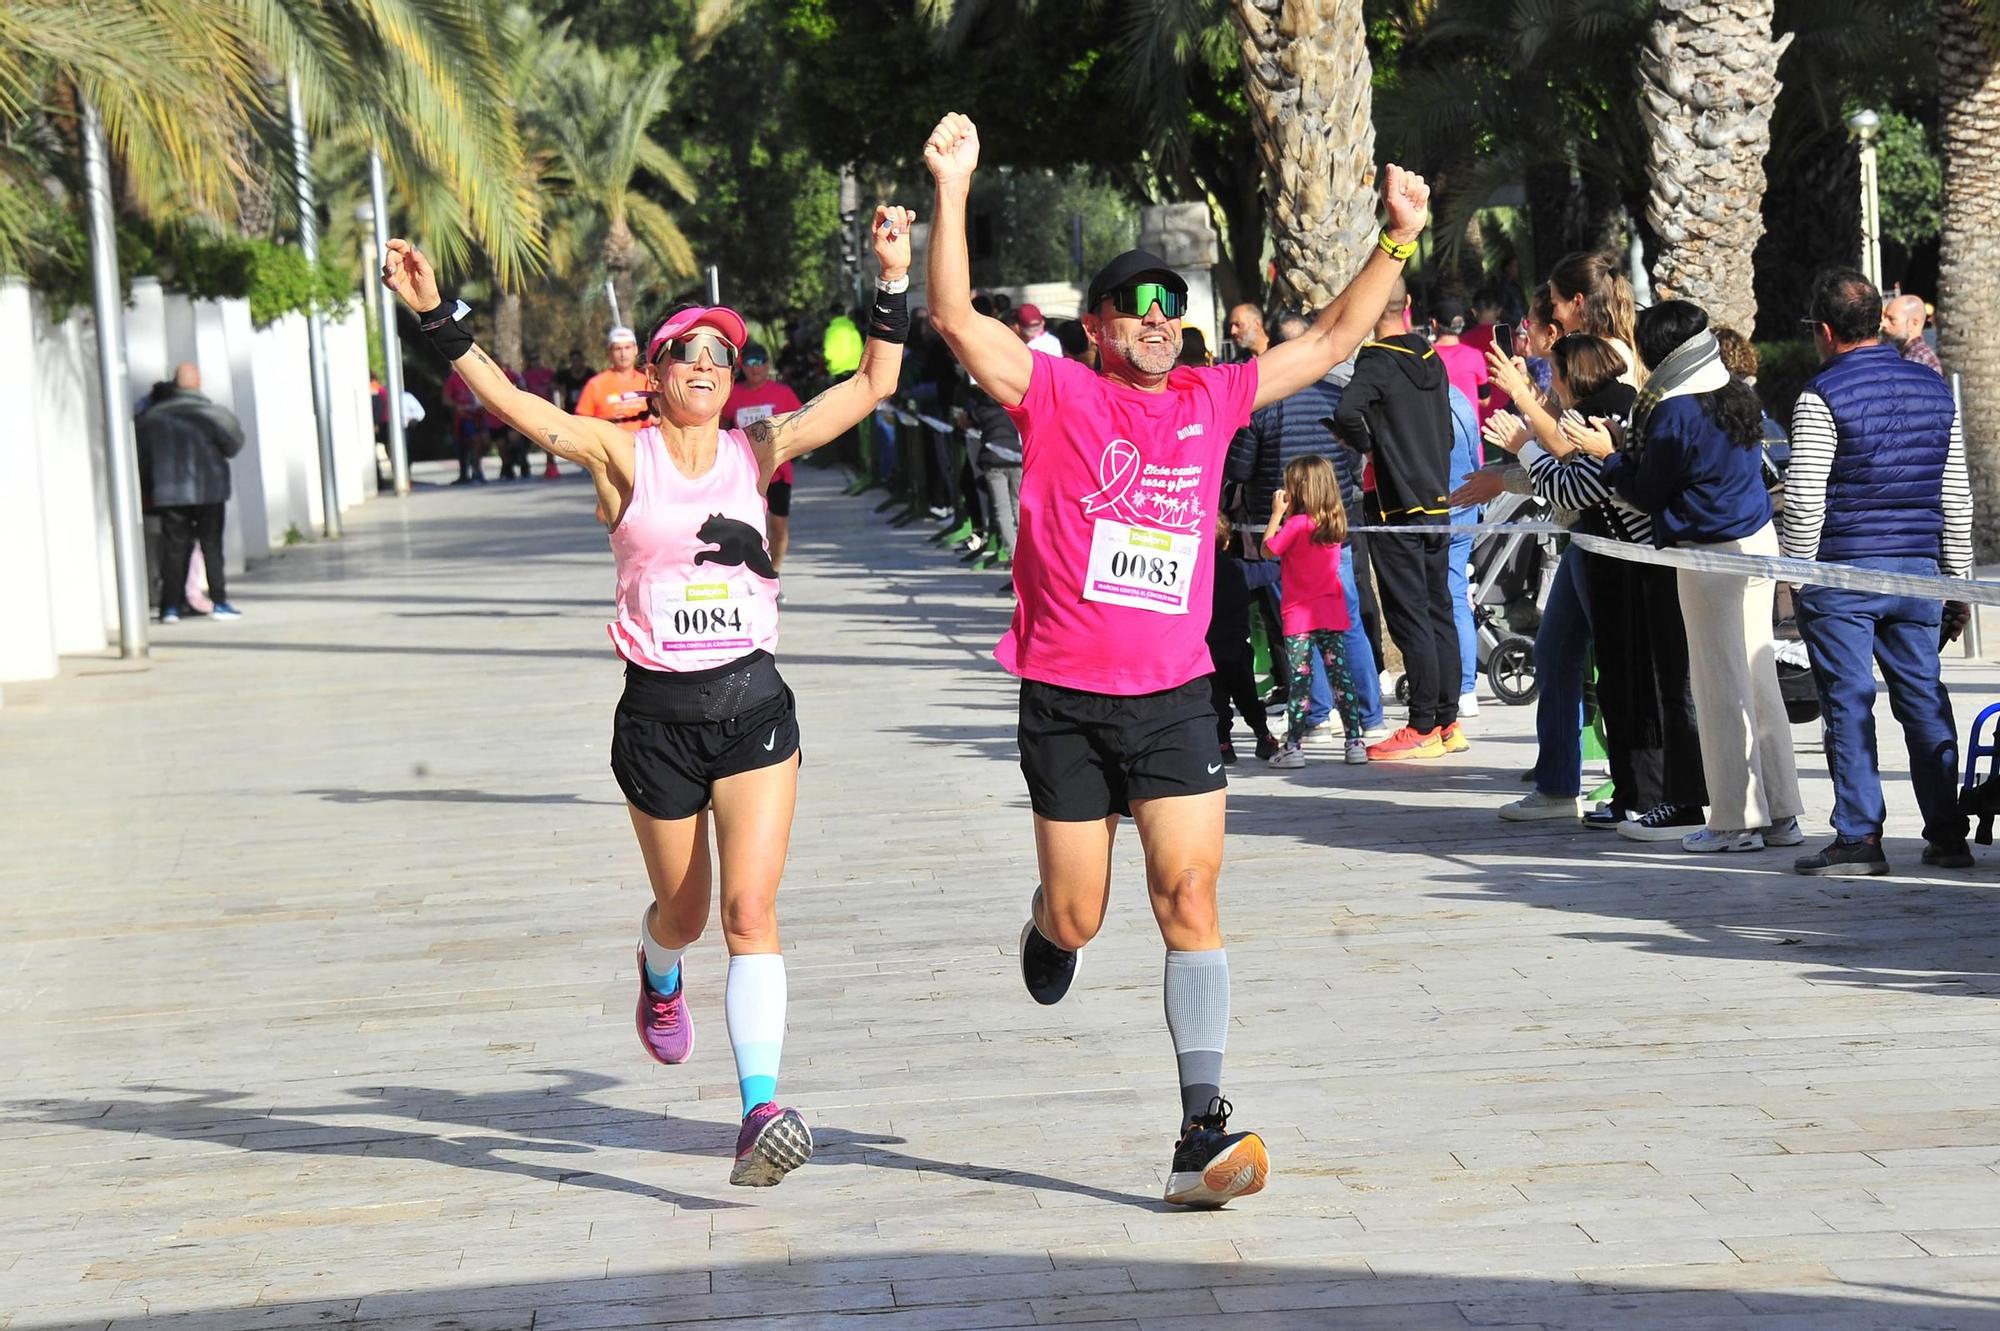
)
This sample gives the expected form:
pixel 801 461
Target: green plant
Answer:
pixel 1910 176
pixel 293 536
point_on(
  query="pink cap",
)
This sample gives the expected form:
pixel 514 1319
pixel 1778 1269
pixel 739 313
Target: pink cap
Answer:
pixel 719 318
pixel 1029 314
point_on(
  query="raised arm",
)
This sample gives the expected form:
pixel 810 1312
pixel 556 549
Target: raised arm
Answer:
pixel 832 413
pixel 987 349
pixel 579 439
pixel 1346 323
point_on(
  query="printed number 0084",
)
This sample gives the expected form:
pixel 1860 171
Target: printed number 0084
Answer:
pixel 1155 569
pixel 704 620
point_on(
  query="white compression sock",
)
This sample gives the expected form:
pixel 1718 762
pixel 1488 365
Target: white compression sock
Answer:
pixel 754 1002
pixel 663 963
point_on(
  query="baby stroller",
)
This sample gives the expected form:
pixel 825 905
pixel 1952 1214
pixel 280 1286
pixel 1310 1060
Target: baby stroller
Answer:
pixel 1508 584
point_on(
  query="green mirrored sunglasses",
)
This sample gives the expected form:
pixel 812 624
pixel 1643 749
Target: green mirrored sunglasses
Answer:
pixel 1140 297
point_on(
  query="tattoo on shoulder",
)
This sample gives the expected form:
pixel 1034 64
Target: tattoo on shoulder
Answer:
pixel 762 433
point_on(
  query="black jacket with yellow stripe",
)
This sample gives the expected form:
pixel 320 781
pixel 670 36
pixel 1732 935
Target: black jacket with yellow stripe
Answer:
pixel 1397 410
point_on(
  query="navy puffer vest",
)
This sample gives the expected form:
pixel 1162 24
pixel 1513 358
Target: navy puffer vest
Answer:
pixel 1884 498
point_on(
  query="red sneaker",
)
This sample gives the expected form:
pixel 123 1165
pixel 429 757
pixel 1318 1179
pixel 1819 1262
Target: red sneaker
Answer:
pixel 1406 744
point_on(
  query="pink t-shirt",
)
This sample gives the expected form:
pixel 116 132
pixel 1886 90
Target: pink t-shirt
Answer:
pixel 1465 366
pixel 1310 576
pixel 1115 561
pixel 748 405
pixel 696 588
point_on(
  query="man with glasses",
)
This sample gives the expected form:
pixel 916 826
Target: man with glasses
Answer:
pixel 1121 479
pixel 757 397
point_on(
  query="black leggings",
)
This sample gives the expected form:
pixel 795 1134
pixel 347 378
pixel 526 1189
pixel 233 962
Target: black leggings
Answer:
pixel 1642 683
pixel 1235 681
pixel 1413 573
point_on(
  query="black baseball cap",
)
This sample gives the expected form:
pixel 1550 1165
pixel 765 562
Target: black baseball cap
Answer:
pixel 1127 268
pixel 754 351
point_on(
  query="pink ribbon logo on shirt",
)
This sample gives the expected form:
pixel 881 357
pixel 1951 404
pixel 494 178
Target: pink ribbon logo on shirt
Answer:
pixel 1117 472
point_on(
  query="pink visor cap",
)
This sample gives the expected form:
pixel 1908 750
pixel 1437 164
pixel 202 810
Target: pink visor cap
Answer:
pixel 717 318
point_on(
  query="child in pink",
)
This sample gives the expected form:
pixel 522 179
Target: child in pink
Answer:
pixel 1307 526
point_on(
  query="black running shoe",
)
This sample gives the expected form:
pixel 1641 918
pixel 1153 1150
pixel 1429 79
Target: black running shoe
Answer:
pixel 1845 859
pixel 1046 969
pixel 1948 855
pixel 1212 1165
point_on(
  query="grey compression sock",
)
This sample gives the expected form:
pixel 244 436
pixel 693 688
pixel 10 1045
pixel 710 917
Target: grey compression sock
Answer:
pixel 1197 996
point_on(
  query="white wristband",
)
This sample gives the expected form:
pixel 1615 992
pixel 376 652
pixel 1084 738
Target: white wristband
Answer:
pixel 891 288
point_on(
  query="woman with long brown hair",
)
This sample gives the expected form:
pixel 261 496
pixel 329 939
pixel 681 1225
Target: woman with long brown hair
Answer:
pixel 1308 523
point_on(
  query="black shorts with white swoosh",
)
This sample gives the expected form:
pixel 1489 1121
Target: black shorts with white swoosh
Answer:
pixel 1087 755
pixel 675 736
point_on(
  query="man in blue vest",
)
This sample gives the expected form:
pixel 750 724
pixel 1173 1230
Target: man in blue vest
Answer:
pixel 1878 481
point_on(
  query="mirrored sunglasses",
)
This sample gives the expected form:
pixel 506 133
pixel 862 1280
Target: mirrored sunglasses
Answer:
pixel 1140 297
pixel 687 350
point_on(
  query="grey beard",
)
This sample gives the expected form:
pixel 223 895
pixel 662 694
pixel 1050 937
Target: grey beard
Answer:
pixel 1149 360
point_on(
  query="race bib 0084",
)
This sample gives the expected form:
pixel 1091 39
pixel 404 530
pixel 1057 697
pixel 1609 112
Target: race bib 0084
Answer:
pixel 1141 567
pixel 704 617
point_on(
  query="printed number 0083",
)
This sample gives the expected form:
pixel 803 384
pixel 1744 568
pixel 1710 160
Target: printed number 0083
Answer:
pixel 1155 569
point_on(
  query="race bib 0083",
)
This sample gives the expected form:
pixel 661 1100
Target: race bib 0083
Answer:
pixel 1141 567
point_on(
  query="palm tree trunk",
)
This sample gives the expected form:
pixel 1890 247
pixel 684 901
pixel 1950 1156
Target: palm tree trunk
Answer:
pixel 507 331
pixel 1306 70
pixel 1969 265
pixel 1708 84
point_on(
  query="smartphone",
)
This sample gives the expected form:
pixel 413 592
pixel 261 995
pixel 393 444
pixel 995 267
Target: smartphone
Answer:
pixel 1503 338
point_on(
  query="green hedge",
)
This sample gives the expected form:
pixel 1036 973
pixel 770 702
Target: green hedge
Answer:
pixel 274 278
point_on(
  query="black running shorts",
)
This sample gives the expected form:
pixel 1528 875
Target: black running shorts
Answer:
pixel 676 735
pixel 778 499
pixel 1087 755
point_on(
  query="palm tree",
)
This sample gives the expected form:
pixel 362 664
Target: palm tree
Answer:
pixel 191 93
pixel 592 120
pixel 1307 73
pixel 1969 265
pixel 1708 84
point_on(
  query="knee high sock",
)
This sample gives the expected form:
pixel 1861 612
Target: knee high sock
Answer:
pixel 1197 996
pixel 754 1001
pixel 663 963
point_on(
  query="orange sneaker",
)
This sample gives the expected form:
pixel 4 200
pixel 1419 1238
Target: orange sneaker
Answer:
pixel 1408 743
pixel 1453 738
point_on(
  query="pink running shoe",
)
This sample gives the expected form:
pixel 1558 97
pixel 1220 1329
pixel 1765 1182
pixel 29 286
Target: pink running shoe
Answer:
pixel 665 1027
pixel 772 1144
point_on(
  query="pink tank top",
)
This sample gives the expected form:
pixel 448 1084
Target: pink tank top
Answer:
pixel 695 584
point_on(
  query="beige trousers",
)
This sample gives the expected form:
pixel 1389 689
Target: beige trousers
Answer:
pixel 1746 738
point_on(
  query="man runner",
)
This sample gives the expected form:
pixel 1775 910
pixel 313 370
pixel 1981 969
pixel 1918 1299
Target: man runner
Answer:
pixel 1121 478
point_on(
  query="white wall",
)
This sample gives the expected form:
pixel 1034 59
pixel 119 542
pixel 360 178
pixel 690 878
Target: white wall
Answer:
pixel 28 644
pixel 283 380
pixel 78 535
pixel 347 387
pixel 255 502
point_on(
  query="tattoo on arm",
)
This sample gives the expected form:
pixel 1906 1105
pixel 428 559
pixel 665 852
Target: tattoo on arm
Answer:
pixel 485 360
pixel 762 434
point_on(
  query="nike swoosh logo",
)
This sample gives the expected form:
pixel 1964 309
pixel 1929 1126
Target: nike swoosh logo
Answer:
pixel 1213 768
pixel 771 742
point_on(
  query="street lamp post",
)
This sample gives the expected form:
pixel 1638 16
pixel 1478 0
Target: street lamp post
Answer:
pixel 322 392
pixel 128 541
pixel 392 347
pixel 1864 125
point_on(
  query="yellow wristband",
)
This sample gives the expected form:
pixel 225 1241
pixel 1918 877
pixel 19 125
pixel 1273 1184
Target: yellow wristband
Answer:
pixel 1401 252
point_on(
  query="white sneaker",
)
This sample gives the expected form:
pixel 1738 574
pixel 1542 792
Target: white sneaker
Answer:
pixel 1710 841
pixel 1321 736
pixel 1535 807
pixel 1357 750
pixel 1785 832
pixel 1289 756
pixel 1468 704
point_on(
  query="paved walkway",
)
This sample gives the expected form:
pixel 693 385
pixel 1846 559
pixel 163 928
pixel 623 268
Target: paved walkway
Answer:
pixel 316 973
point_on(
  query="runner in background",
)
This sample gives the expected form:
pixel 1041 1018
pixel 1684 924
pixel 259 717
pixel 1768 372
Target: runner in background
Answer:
pixel 757 397
pixel 619 394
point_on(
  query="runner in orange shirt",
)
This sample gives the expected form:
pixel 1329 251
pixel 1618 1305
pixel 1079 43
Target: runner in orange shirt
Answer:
pixel 618 394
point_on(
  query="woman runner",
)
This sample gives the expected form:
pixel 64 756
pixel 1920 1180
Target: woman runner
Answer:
pixel 706 725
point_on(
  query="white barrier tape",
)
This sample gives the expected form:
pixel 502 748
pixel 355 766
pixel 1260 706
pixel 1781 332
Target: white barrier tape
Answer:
pixel 942 427
pixel 1970 590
